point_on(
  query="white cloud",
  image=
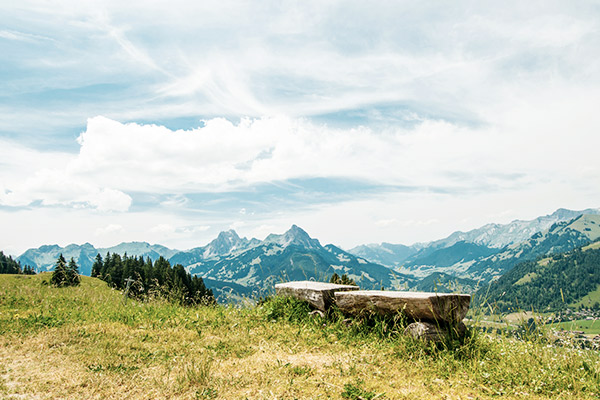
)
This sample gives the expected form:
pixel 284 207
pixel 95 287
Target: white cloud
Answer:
pixel 109 229
pixel 163 229
pixel 115 159
pixel 194 229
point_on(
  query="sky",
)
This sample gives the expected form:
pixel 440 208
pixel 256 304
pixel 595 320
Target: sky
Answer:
pixel 361 122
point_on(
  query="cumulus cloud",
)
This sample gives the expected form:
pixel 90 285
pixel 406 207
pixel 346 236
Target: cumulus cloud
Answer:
pixel 117 159
pixel 223 156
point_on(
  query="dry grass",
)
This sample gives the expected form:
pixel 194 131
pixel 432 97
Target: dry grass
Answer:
pixel 83 343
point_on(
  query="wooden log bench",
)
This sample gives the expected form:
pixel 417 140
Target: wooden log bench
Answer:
pixel 436 315
pixel 435 307
pixel 319 294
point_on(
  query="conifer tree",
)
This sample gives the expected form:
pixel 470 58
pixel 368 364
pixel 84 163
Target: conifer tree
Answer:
pixel 342 280
pixel 59 276
pixel 73 273
pixel 335 278
pixel 97 267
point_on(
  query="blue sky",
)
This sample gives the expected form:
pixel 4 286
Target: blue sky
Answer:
pixel 396 121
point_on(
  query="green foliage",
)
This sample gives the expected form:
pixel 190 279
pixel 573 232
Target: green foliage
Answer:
pixel 439 282
pixel 152 279
pixel 545 286
pixel 285 308
pixel 342 280
pixel 64 275
pixel 355 391
pixel 73 273
pixel 10 266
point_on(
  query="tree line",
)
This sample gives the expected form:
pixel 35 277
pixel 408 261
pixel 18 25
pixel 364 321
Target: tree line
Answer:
pixel 152 279
pixel 10 266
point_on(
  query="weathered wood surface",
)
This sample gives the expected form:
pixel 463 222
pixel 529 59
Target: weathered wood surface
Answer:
pixel 319 294
pixel 441 307
pixel 430 331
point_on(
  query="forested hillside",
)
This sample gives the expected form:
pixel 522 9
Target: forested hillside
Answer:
pixel 549 284
pixel 10 266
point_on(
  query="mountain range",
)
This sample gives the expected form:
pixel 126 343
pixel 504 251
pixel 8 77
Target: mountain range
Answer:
pixel 461 262
pixel 485 264
pixel 231 264
pixel 490 235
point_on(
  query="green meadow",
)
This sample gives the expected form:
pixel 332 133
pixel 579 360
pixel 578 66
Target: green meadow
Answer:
pixel 86 342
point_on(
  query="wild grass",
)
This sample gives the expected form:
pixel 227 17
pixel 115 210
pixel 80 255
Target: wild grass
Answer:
pixel 83 342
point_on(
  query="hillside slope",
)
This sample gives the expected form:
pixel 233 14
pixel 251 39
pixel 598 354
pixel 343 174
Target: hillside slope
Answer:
pixel 549 284
pixel 86 343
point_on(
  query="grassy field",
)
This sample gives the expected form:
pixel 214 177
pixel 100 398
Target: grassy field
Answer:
pixel 84 343
pixel 590 327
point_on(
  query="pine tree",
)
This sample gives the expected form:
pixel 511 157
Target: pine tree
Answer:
pixel 97 267
pixel 342 280
pixel 335 278
pixel 73 273
pixel 59 276
pixel 346 280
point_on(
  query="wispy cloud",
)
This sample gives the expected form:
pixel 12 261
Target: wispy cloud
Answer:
pixel 22 37
pixel 307 109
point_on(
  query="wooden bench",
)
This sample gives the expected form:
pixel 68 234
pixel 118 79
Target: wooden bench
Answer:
pixel 440 307
pixel 436 315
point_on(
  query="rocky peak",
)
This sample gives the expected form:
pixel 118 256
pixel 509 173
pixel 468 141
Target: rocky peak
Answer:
pixel 225 243
pixel 294 236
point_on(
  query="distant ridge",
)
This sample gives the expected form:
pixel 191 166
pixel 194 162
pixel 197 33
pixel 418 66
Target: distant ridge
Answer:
pixel 490 235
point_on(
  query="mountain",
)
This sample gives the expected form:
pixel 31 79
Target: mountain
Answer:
pixel 385 253
pixel 293 255
pixel 44 257
pixel 470 261
pixel 490 235
pixel 454 259
pixel 240 266
pixel 143 249
pixel 226 243
pixel 498 236
pixel 253 266
pixel 560 237
pixel 551 284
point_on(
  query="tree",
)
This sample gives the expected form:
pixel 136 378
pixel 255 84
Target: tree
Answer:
pixel 73 273
pixel 59 276
pixel 342 280
pixel 97 267
pixel 335 278
pixel 27 270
